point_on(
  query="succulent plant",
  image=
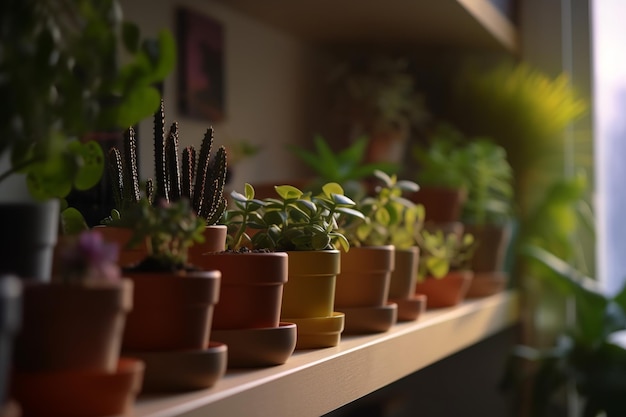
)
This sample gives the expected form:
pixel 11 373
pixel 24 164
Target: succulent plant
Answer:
pixel 293 221
pixel 199 178
pixel 389 218
pixel 440 253
pixel 169 229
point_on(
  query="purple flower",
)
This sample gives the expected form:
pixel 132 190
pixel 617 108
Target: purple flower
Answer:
pixel 90 257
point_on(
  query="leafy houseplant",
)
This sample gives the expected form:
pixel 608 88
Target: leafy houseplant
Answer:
pixel 396 221
pixel 364 281
pixel 380 97
pixel 169 230
pixel 526 112
pixel 490 183
pixel 174 300
pixel 488 214
pixel 347 167
pixel 61 79
pixel 295 221
pixel 589 353
pixel 441 172
pixel 443 274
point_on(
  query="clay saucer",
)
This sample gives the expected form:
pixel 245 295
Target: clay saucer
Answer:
pixel 257 347
pixel 409 309
pixel 361 320
pixel 78 393
pixel 183 370
pixel 319 332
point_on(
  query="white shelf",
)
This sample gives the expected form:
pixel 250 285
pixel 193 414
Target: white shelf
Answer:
pixel 314 382
pixel 457 23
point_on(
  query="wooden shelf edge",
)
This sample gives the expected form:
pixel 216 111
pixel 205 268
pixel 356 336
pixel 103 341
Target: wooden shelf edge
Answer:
pixel 498 25
pixel 318 381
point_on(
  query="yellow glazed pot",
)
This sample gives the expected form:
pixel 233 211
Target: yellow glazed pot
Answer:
pixel 310 288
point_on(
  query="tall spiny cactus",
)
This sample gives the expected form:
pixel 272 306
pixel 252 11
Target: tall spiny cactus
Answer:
pixel 202 179
pixel 208 181
pixel 172 166
pixel 160 169
pixel 189 166
pixel 124 172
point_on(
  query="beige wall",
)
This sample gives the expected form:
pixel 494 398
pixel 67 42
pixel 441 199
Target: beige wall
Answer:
pixel 271 90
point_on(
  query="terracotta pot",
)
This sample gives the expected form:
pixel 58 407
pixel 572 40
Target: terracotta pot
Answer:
pixel 485 284
pixel 81 393
pixel 442 204
pixel 214 241
pixel 120 235
pixel 171 311
pixel 251 290
pixel 310 289
pixel 183 370
pixel 10 320
pixel 29 233
pixel 72 327
pixel 448 291
pixel 492 244
pixel 364 277
pixel 404 275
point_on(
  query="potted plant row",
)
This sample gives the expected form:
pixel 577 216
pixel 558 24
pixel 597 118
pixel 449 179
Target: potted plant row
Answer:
pixel 305 226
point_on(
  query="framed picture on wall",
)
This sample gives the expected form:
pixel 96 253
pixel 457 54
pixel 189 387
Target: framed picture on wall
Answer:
pixel 201 65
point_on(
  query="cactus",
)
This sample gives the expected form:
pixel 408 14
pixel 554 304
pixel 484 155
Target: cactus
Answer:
pixel 160 170
pixel 124 174
pixel 199 177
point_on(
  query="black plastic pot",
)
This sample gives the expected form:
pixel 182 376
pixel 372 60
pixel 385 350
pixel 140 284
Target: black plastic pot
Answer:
pixel 28 233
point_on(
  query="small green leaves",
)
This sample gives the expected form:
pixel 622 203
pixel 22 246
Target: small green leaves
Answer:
pixel 295 221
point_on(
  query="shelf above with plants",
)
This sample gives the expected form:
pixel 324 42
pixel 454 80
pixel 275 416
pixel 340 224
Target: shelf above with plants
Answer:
pixel 315 382
pixel 450 23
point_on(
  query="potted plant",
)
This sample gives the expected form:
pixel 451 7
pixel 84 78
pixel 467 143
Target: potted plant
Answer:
pixel 346 167
pixel 587 355
pixel 305 226
pixel 382 103
pixel 67 352
pixel 62 80
pixel 248 317
pixel 441 174
pixel 198 177
pixel 397 222
pixel 363 284
pixel 487 214
pixel 170 325
pixel 443 271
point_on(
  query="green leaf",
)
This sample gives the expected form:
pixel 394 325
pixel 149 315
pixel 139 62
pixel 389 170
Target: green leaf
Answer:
pixel 333 189
pixel 138 103
pixel 248 191
pixel 351 212
pixel 437 267
pixel 130 36
pixel 72 222
pixel 92 164
pixel 288 192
